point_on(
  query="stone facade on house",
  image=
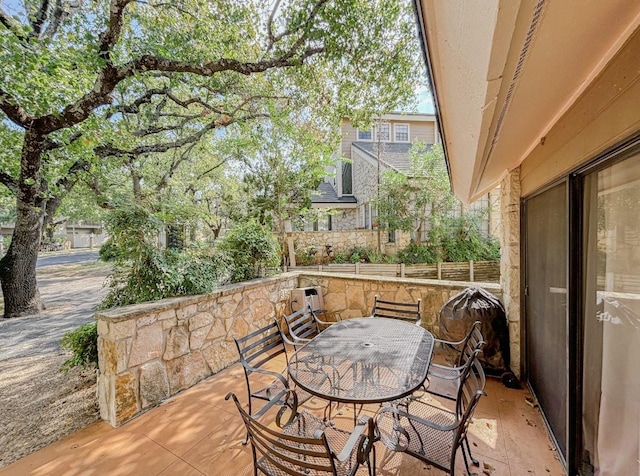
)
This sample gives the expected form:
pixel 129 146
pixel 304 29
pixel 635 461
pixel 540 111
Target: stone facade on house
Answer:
pixel 510 262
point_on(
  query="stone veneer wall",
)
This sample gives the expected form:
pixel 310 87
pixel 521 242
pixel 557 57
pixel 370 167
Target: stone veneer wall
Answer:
pixel 148 352
pixel 510 262
pixel 344 241
pixel 347 296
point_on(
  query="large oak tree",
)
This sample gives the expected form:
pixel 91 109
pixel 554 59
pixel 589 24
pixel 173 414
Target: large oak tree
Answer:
pixel 86 81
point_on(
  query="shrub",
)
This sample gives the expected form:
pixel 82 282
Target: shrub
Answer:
pixel 144 273
pixel 418 253
pixel 108 251
pixel 460 239
pixel 250 247
pixel 306 255
pixel 157 274
pixel 340 258
pixel 83 342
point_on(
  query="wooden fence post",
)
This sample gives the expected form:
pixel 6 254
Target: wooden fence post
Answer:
pixel 402 270
pixel 358 267
pixel 439 271
pixel 471 271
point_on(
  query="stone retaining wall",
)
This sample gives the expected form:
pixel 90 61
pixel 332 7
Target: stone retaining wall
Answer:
pixel 349 296
pixel 148 352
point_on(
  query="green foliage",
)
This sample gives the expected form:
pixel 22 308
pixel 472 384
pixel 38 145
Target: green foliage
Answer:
pixel 460 239
pixel 341 258
pixel 306 255
pixel 418 253
pixel 158 274
pixel 83 343
pixel 250 247
pixel 108 251
pixel 144 273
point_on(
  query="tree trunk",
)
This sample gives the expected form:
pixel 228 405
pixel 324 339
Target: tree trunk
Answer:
pixel 18 266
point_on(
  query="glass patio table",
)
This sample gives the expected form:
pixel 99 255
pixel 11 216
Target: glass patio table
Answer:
pixel 364 360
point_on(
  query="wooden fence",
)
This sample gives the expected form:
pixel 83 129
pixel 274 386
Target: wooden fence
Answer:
pixel 479 271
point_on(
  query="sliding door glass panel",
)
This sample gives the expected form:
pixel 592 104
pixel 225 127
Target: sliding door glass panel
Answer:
pixel 546 305
pixel 611 390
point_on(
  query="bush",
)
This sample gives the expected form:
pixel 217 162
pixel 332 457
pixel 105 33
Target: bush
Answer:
pixel 417 253
pixel 144 273
pixel 306 255
pixel 340 258
pixel 108 251
pixel 83 342
pixel 158 274
pixel 250 247
pixel 460 239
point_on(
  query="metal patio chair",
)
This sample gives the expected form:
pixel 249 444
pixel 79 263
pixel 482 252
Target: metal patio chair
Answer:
pixel 444 380
pixel 256 350
pixel 430 433
pixel 302 326
pixel 306 445
pixel 409 312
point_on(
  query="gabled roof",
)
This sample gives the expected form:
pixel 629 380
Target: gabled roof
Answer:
pixel 326 194
pixel 394 155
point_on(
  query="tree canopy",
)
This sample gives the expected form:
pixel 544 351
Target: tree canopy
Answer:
pixel 106 86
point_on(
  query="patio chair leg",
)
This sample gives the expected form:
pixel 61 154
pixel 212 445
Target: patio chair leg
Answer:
pixel 474 461
pixel 466 462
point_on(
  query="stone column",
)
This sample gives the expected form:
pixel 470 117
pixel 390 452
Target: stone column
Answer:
pixel 510 263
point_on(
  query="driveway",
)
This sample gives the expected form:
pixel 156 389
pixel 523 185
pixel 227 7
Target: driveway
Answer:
pixel 70 294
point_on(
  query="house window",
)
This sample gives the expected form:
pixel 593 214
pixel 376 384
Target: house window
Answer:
pixel 347 183
pixel 392 236
pixel 324 223
pixel 383 132
pixel 364 135
pixel 401 133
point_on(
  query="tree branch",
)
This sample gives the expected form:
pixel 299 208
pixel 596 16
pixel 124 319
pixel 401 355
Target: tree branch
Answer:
pixel 110 150
pixel 14 112
pixel 111 35
pixel 12 25
pixel 8 181
pixel 39 18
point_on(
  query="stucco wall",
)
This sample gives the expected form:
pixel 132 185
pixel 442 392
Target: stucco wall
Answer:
pixel 605 114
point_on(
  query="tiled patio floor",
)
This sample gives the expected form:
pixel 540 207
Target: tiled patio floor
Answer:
pixel 198 432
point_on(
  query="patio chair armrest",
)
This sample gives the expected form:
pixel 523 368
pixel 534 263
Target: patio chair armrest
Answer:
pixel 454 372
pixel 417 419
pixel 364 428
pixel 450 343
pixel 270 373
pixel 320 321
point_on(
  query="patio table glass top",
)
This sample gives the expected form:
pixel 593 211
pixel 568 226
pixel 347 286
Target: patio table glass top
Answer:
pixel 364 360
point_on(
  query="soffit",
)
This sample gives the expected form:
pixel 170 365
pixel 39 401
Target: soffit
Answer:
pixel 505 71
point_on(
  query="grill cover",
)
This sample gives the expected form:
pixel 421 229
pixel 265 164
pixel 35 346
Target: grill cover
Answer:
pixel 475 304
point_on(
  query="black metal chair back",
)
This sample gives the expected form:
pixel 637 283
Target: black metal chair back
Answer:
pixel 257 349
pixel 431 433
pixel 405 311
pixel 302 326
pixel 472 341
pixel 303 448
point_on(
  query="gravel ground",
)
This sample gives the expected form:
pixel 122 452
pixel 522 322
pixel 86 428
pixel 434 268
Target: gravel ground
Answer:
pixel 41 404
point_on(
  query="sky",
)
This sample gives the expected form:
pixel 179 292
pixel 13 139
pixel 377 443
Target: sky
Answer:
pixel 425 100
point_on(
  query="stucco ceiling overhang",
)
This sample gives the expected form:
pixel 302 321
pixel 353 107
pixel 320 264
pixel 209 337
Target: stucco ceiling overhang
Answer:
pixel 505 71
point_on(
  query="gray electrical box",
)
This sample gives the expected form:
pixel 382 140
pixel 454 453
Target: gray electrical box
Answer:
pixel 300 297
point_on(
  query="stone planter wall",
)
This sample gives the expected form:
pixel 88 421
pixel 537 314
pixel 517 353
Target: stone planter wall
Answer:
pixel 148 352
pixel 347 296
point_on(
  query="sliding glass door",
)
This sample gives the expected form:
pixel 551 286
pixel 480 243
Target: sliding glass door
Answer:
pixel 546 305
pixel 611 321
